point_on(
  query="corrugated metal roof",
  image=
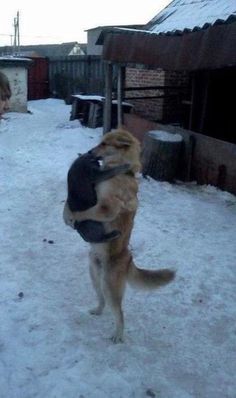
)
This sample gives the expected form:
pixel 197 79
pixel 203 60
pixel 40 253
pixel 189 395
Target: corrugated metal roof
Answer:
pixel 182 15
pixel 204 49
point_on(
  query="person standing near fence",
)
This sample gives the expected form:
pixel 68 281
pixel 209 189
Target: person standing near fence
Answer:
pixel 5 94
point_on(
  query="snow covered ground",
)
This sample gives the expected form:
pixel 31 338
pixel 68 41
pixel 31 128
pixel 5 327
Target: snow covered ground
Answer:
pixel 180 341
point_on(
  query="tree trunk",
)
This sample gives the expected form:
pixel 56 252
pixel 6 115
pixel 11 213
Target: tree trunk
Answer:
pixel 161 154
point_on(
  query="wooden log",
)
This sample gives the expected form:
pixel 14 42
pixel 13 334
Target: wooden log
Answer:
pixel 161 155
pixel 74 109
pixel 95 115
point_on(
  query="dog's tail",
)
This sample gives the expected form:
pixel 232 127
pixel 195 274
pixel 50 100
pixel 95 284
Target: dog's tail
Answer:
pixel 149 279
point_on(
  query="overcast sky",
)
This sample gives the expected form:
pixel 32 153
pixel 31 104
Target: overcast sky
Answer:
pixel 48 21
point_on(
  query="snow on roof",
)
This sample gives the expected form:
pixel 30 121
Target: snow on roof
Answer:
pixel 12 59
pixel 189 14
pixel 100 27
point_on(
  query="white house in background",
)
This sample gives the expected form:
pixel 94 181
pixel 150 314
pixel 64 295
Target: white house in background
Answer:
pixel 16 69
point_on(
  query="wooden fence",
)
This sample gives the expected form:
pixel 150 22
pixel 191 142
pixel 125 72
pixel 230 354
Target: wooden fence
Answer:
pixel 83 74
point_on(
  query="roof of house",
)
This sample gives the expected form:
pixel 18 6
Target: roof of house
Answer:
pixel 14 61
pixel 182 15
pixel 185 35
pixel 46 50
pixel 136 26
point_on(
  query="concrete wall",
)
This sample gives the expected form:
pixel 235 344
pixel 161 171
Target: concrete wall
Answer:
pixel 17 74
pixel 18 82
pixel 208 161
pixel 92 36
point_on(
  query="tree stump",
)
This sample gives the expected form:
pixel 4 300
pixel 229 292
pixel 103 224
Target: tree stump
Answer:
pixel 161 154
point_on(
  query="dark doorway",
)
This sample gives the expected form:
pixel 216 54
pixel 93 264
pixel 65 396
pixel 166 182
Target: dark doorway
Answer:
pixel 214 105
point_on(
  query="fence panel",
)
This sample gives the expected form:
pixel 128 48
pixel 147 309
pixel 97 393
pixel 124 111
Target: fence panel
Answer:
pixel 83 74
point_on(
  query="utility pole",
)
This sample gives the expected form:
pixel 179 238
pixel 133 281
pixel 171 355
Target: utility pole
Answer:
pixel 16 44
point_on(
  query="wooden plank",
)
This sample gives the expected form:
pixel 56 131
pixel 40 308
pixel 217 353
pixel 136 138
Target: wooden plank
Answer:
pixel 143 88
pixel 91 117
pixel 120 95
pixel 95 113
pixel 152 97
pixel 108 98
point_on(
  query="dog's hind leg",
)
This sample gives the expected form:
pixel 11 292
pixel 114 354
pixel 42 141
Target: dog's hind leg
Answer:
pixel 95 269
pixel 113 289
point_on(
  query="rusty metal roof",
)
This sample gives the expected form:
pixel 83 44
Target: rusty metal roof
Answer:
pixel 204 49
pixel 186 35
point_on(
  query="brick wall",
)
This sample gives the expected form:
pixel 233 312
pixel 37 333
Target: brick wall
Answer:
pixel 137 77
pixel 173 109
pixel 167 110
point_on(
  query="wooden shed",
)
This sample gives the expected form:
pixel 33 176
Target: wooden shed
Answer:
pixel 198 38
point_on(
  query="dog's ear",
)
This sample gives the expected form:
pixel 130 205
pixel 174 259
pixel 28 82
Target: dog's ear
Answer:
pixel 123 142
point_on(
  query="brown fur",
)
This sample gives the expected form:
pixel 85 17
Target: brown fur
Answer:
pixel 111 263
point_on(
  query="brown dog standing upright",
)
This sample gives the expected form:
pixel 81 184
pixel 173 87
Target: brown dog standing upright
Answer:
pixel 111 263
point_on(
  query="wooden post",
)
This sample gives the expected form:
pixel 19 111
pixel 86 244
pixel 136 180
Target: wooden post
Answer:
pixel 108 98
pixel 193 89
pixel 189 149
pixel 204 102
pixel 120 95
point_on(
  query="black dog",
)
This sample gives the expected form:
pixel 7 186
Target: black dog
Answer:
pixel 82 176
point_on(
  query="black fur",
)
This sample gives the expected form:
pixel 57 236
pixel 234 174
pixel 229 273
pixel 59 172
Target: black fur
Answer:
pixel 83 174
